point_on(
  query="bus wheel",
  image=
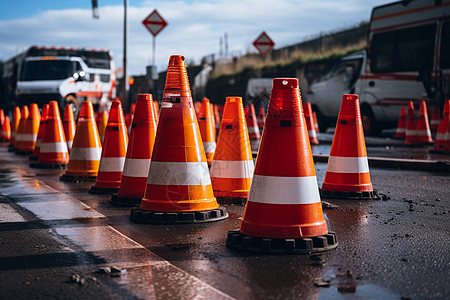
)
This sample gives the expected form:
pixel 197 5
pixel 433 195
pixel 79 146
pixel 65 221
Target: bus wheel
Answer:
pixel 370 124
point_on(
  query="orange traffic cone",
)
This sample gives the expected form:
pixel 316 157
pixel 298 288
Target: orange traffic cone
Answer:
pixel 69 126
pixel 423 127
pixel 213 120
pixel 102 121
pixel 31 128
pixel 411 134
pixel 401 127
pixel 316 124
pixel 139 154
pixel 307 109
pixel 156 110
pixel 435 117
pixel 5 130
pixel 87 148
pixel 348 175
pixel 53 152
pixel 178 186
pixel 113 153
pixel 129 117
pixel 260 118
pixel 20 129
pixel 14 126
pixel 442 143
pixel 207 130
pixel 217 119
pixel 283 212
pixel 2 116
pixel 253 129
pixel 232 167
pixel 37 147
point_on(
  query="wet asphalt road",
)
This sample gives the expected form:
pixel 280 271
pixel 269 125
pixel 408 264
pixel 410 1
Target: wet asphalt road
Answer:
pixel 393 248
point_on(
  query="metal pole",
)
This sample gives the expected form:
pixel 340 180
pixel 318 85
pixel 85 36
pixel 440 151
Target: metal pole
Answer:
pixel 125 87
pixel 154 47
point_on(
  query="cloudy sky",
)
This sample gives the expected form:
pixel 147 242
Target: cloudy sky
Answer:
pixel 194 30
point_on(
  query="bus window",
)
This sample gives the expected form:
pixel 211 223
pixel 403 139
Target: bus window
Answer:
pixel 410 49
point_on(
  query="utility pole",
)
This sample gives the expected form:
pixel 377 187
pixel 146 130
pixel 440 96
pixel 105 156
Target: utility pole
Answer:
pixel 125 87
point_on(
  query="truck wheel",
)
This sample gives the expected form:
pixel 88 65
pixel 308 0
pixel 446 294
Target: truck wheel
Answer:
pixel 71 99
pixel 370 124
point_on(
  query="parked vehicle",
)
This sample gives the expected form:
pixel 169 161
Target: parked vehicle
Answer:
pixel 407 58
pixel 67 75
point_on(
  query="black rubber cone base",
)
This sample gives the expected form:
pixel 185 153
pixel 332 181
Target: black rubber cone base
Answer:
pixel 33 158
pixel 100 190
pixel 48 166
pixel 156 217
pixel 125 201
pixel 236 200
pixel 372 195
pixel 238 241
pixel 77 179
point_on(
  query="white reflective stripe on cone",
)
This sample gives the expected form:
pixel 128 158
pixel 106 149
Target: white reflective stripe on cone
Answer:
pixel 441 136
pixel 13 134
pixel 284 190
pixel 111 164
pixel 69 144
pixel 26 137
pixel 253 130
pixel 179 173
pixel 312 133
pixel 424 132
pixel 58 147
pixel 81 153
pixel 3 133
pixel 434 122
pixel 340 164
pixel 411 132
pixel 232 169
pixel 136 167
pixel 400 130
pixel 210 147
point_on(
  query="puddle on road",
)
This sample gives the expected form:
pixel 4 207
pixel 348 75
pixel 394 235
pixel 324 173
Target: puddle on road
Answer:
pixel 363 291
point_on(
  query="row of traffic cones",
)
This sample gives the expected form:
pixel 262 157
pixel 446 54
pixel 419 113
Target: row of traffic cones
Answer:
pixel 167 167
pixel 419 131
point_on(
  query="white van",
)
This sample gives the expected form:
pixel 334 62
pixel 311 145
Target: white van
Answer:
pixel 408 58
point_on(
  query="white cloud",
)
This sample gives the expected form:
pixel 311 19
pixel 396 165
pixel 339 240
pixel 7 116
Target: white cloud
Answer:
pixel 194 28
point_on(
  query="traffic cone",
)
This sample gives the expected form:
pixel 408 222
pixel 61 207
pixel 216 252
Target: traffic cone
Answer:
pixel 156 110
pixel 69 126
pixel 401 127
pixel 14 126
pixel 253 129
pixel 197 107
pixel 129 117
pixel 53 149
pixel 411 134
pixel 316 124
pixel 2 116
pixel 113 153
pixel 348 175
pixel 85 156
pixel 5 131
pixel 217 120
pixel 31 128
pixel 232 167
pixel 37 147
pixel 178 186
pixel 213 120
pixel 435 117
pixel 20 129
pixel 260 118
pixel 423 127
pixel 442 143
pixel 207 130
pixel 283 212
pixel 139 154
pixel 307 109
pixel 102 121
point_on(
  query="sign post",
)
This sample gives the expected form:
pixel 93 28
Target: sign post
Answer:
pixel 154 23
pixel 263 43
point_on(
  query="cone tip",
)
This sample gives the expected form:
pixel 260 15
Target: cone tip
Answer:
pixel 285 83
pixel 143 97
pixel 233 99
pixel 176 60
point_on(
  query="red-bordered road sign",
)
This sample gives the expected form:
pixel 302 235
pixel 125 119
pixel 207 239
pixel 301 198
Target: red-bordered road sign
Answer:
pixel 263 43
pixel 154 23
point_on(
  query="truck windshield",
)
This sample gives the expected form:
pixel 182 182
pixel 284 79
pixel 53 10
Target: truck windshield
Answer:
pixel 46 70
